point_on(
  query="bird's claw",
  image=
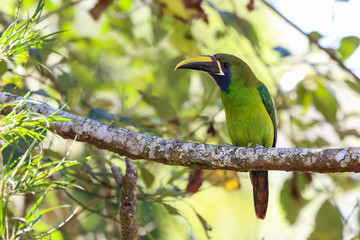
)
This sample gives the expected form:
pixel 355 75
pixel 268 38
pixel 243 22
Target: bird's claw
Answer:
pixel 225 145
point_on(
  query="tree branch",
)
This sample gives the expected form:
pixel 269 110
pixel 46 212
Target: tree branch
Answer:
pixel 196 155
pixel 127 185
pixel 313 40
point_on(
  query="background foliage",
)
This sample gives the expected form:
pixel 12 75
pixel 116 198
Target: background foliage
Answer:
pixel 114 61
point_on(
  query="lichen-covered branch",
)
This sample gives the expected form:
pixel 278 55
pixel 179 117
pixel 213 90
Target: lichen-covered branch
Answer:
pixel 196 155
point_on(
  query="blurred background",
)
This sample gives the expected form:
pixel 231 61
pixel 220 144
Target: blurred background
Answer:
pixel 113 61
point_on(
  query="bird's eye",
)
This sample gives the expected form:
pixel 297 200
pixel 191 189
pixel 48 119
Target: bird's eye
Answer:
pixel 226 64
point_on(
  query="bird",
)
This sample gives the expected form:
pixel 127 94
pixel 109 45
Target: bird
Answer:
pixel 249 110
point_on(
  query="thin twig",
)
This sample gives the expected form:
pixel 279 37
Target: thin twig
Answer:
pixel 329 52
pixel 88 208
pixel 116 174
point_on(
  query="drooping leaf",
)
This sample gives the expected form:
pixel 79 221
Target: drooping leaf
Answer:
pixel 74 97
pixel 303 96
pixel 207 228
pixel 195 181
pixel 100 114
pixel 170 209
pixel 177 174
pixel 162 106
pixel 328 224
pixel 355 86
pixel 291 196
pixel 242 26
pixel 325 102
pixel 147 177
pixel 172 193
pixel 347 46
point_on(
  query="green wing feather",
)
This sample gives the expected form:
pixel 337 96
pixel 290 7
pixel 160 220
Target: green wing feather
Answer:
pixel 269 105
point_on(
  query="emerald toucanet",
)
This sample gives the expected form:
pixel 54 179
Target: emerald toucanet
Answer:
pixel 250 114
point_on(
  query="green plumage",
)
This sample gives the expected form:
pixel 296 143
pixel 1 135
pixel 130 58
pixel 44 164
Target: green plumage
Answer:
pixel 250 120
pixel 247 117
pixel 250 114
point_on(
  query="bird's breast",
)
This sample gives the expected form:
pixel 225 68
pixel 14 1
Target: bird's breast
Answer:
pixel 248 121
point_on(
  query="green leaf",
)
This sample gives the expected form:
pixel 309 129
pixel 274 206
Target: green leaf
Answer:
pixel 52 154
pixel 67 81
pixel 183 40
pixel 3 67
pixel 177 174
pixel 355 86
pixel 3 212
pixel 74 97
pixel 207 228
pixel 328 224
pixel 126 4
pixel 99 114
pixel 159 32
pixel 242 26
pixel 347 46
pixel 171 193
pixel 344 181
pixel 170 209
pixel 162 105
pixel 40 92
pixel 325 102
pixel 147 177
pixel 316 35
pixel 291 199
pixel 30 215
pixel 303 95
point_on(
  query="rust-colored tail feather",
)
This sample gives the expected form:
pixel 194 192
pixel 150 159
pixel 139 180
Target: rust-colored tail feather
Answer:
pixel 259 180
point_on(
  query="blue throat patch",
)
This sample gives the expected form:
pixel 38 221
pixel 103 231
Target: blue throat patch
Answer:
pixel 223 81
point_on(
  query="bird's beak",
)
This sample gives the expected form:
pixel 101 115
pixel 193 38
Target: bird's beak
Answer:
pixel 205 63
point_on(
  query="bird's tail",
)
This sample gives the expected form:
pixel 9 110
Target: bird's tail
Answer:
pixel 259 180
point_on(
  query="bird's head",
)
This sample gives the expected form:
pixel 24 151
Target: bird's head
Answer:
pixel 224 68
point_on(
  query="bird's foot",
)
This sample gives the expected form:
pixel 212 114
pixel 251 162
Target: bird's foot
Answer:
pixel 225 145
